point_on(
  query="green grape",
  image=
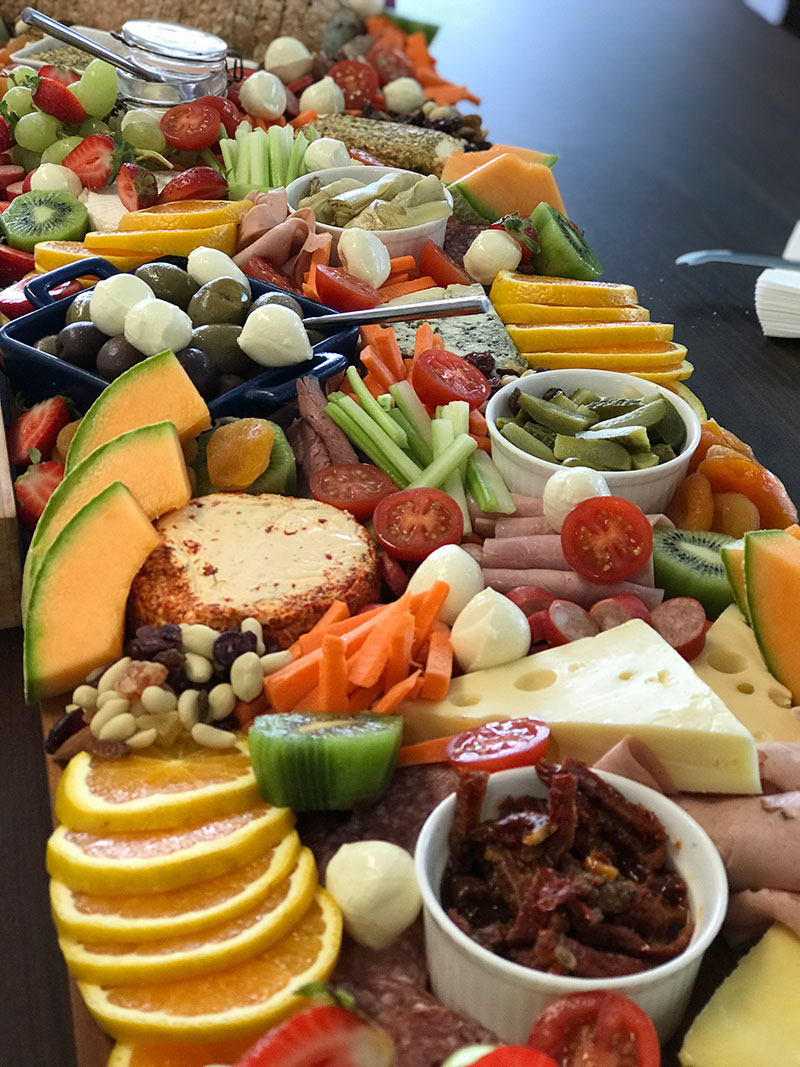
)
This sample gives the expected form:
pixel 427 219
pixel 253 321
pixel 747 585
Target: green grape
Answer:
pixel 97 89
pixel 21 75
pixel 145 135
pixel 90 126
pixel 19 101
pixel 57 152
pixel 23 158
pixel 37 131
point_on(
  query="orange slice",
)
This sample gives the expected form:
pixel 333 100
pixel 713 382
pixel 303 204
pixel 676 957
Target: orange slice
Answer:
pixel 151 916
pixel 517 314
pixel 169 1054
pixel 236 1002
pixel 160 790
pixel 163 242
pixel 511 288
pixel 576 336
pixel 47 255
pixel 186 215
pixel 667 376
pixel 685 393
pixel 641 357
pixel 211 949
pixel 152 861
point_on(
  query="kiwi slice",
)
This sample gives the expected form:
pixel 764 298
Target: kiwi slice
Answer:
pixel 323 762
pixel 44 215
pixel 563 252
pixel 689 563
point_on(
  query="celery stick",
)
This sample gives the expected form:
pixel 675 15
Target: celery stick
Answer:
pixel 396 456
pixel 447 463
pixel 443 437
pixel 311 133
pixel 457 411
pixel 243 128
pixel 210 159
pixel 411 406
pixel 296 158
pixel 374 409
pixel 245 150
pixel 385 401
pixel 259 159
pixel 420 451
pixel 229 149
pixel 487 486
pixel 363 441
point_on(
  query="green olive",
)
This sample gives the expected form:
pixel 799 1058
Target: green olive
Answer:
pixel 168 282
pixel 47 344
pixel 78 311
pixel 79 344
pixel 279 298
pixel 218 339
pixel 222 301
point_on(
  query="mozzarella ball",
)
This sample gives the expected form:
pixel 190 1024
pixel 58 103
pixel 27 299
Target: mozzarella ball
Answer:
pixel 326 152
pixel 113 298
pixel 569 487
pixel 325 97
pixel 459 569
pixel 491 252
pixel 207 264
pixel 263 95
pixel 288 58
pixel 52 176
pixel 403 95
pixel 364 255
pixel 375 885
pixel 152 326
pixel 274 336
pixel 367 8
pixel 489 631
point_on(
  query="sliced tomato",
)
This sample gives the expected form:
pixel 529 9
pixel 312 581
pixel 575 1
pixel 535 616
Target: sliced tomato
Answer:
pixel 342 291
pixel 515 1056
pixel 596 1028
pixel 357 80
pixel 354 487
pixel 435 262
pixel 390 63
pixel 191 127
pixel 228 112
pixel 606 539
pixel 439 376
pixel 361 155
pixel 496 746
pixel 410 524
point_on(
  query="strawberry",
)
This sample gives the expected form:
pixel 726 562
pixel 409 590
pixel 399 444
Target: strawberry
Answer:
pixel 325 1035
pixel 66 77
pixel 37 428
pixel 54 98
pixel 10 173
pixel 136 187
pixel 92 160
pixel 196 183
pixel 34 488
pixel 5 135
pixel 14 264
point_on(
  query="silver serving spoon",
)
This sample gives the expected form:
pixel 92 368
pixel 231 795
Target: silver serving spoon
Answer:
pixel 724 255
pixel 430 309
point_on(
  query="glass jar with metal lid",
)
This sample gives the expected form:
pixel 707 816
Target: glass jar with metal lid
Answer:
pixel 188 62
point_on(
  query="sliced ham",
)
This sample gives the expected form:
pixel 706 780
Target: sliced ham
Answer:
pixel 632 759
pixel 543 551
pixel 286 241
pixel 525 507
pixel 522 526
pixel 476 551
pixel 779 765
pixel 483 527
pixel 567 585
pixel 751 911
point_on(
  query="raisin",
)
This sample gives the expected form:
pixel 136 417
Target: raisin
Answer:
pixel 231 644
pixel 238 453
pixel 69 724
pixel 148 641
pixel 482 361
pixel 513 401
pixel 138 675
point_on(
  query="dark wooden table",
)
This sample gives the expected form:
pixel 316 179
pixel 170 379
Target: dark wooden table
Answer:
pixel 678 126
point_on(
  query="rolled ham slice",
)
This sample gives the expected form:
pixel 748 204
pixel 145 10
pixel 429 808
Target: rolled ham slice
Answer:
pixel 751 911
pixel 632 759
pixel 522 526
pixel 779 763
pixel 567 585
pixel 543 551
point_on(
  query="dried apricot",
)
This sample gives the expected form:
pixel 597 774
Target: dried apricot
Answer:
pixel 734 514
pixel 731 472
pixel 238 453
pixel 711 435
pixel 692 506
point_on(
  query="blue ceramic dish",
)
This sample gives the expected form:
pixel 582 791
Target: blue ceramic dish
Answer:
pixel 36 375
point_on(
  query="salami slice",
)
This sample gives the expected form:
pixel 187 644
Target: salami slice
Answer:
pixel 357 80
pixel 681 621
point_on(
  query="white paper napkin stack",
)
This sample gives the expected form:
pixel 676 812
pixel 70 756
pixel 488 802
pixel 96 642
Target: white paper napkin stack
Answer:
pixel 778 294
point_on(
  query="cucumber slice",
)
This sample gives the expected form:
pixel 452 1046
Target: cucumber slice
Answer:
pixel 563 252
pixel 323 762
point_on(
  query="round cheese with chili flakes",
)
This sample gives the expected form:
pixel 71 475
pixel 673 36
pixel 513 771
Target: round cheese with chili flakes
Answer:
pixel 230 556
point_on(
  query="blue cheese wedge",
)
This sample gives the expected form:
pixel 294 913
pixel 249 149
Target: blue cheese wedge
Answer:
pixel 592 693
pixel 462 334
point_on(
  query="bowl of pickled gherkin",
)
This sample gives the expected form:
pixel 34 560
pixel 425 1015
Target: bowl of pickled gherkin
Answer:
pixel 640 435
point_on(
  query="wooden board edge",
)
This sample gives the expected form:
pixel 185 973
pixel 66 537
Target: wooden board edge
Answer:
pixel 10 567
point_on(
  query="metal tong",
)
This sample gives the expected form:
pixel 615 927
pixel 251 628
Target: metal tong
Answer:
pixel 86 44
pixel 431 309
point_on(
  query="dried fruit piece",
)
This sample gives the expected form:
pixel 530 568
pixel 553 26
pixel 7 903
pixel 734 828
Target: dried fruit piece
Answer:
pixel 138 675
pixel 692 506
pixel 737 473
pixel 734 514
pixel 238 453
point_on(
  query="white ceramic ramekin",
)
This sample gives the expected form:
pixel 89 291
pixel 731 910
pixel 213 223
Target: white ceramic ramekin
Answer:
pixel 652 489
pixel 507 997
pixel 407 242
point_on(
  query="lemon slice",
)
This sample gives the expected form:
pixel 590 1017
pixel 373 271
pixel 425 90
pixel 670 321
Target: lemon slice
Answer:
pixel 152 916
pixel 152 861
pixel 669 377
pixel 577 336
pixel 235 1002
pixel 169 1054
pixel 47 255
pixel 156 791
pixel 518 314
pixel 511 288
pixel 163 242
pixel 626 358
pixel 204 951
pixel 186 215
pixel 685 393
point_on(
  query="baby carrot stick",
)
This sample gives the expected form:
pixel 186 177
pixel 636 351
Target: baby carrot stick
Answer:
pixel 399 661
pixel 427 614
pixel 333 674
pixel 392 697
pixel 438 667
pixel 432 751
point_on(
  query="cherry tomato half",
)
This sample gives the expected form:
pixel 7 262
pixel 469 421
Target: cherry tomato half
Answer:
pixel 606 539
pixel 435 262
pixel 515 1056
pixel 357 80
pixel 439 376
pixel 411 523
pixel 596 1027
pixel 342 291
pixel 496 746
pixel 191 127
pixel 226 109
pixel 354 487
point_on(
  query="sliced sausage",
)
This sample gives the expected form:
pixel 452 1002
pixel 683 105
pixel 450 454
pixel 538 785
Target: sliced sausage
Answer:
pixel 616 610
pixel 536 623
pixel 531 598
pixel 682 623
pixel 568 585
pixel 565 622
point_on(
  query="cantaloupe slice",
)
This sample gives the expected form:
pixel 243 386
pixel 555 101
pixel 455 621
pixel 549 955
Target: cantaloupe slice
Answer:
pixel 575 336
pixel 772 582
pixel 154 390
pixel 539 314
pixel 148 460
pixel 461 163
pixel 732 556
pixel 505 184
pixel 76 613
pixel 512 288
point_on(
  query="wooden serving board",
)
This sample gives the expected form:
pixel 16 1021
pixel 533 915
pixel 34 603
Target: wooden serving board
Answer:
pixel 10 569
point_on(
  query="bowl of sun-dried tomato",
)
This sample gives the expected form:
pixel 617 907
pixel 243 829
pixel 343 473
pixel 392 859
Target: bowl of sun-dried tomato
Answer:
pixel 538 882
